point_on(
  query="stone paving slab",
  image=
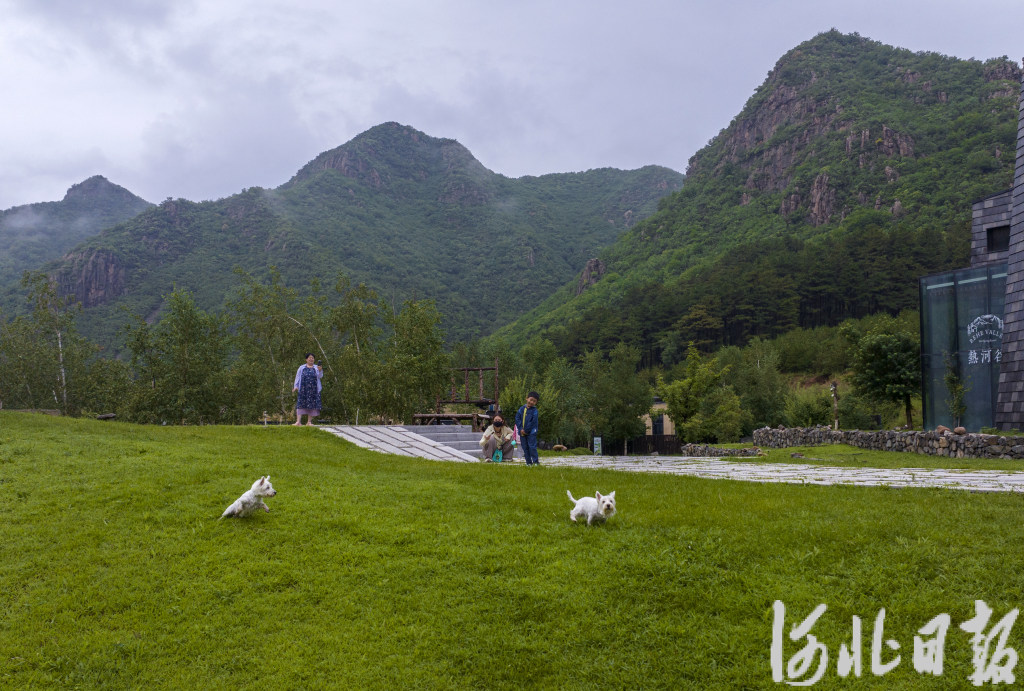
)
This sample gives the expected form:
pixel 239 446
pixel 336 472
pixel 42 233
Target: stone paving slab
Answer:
pixel 400 441
pixel 798 473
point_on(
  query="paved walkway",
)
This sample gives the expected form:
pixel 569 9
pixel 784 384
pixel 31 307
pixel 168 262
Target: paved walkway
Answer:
pixel 801 473
pixel 398 440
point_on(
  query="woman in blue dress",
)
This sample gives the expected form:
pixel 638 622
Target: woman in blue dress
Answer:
pixel 307 384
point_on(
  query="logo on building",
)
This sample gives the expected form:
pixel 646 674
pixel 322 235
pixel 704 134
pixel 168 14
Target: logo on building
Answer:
pixel 986 336
pixel 986 330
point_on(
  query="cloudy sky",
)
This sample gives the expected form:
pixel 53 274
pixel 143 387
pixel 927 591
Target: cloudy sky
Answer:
pixel 175 98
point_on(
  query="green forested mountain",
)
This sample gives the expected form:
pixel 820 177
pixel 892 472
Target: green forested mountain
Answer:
pixel 410 215
pixel 33 234
pixel 847 175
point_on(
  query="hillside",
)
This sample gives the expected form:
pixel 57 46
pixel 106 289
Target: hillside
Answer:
pixel 848 174
pixel 33 234
pixel 410 215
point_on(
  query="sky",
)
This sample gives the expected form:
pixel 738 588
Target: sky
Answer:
pixel 201 99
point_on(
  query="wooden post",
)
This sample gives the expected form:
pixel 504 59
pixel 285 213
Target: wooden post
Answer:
pixel 835 405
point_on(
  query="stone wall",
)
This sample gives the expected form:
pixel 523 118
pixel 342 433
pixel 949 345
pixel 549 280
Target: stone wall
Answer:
pixel 935 443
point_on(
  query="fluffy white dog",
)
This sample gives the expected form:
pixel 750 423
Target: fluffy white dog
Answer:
pixel 251 500
pixel 597 508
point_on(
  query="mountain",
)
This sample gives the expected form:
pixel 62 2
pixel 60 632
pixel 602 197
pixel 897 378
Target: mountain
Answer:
pixel 410 215
pixel 847 175
pixel 33 234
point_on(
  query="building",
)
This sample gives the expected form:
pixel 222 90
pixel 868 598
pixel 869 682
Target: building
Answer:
pixel 972 320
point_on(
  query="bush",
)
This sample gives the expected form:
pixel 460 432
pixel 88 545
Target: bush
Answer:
pixel 809 407
pixel 856 412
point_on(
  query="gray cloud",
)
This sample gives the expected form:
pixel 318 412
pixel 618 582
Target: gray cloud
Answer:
pixel 200 100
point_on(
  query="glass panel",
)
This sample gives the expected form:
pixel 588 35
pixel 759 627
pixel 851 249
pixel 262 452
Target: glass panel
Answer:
pixel 961 316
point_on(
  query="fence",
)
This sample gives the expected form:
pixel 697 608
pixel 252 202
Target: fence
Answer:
pixel 661 444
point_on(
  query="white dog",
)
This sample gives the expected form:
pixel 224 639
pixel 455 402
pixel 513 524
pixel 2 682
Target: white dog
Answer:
pixel 252 500
pixel 597 508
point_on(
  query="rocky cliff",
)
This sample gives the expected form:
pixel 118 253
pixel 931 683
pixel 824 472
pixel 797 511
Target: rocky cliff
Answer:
pixel 34 234
pixel 797 112
pixel 848 173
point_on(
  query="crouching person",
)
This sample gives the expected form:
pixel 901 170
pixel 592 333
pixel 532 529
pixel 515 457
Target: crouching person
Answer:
pixel 497 436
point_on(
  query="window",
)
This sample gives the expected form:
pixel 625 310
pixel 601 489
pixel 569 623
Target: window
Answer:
pixel 998 239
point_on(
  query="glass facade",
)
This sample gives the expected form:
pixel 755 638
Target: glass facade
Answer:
pixel 962 322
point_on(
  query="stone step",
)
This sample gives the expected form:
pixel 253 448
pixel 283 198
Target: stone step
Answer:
pixel 459 437
pixel 399 441
pixel 444 432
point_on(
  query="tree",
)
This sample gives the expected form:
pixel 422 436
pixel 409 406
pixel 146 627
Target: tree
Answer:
pixel 718 418
pixel 567 425
pixel 753 372
pixel 21 383
pixel 43 360
pixel 269 341
pixel 537 355
pixel 702 408
pixel 415 370
pixel 625 397
pixel 616 397
pixel 887 367
pixel 701 325
pixel 181 364
pixel 956 389
pixel 356 340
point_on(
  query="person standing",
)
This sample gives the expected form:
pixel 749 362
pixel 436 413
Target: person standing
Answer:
pixel 307 384
pixel 527 422
pixel 497 436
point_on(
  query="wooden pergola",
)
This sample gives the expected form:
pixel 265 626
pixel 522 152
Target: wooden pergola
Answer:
pixel 472 393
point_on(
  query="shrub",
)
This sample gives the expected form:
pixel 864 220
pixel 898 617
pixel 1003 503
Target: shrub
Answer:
pixel 809 407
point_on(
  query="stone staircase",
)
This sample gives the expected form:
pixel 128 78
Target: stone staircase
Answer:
pixel 459 437
pixel 398 441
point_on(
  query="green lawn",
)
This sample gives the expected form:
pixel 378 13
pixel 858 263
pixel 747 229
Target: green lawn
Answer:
pixel 375 571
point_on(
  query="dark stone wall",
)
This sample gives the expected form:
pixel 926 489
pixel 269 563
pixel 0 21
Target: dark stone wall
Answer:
pixel 946 444
pixel 990 212
pixel 1009 412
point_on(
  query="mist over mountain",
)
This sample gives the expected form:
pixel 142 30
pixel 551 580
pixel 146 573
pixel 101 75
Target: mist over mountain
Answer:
pixel 33 234
pixel 848 174
pixel 410 215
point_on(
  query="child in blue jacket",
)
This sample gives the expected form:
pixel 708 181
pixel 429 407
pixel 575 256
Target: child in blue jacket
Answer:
pixel 527 420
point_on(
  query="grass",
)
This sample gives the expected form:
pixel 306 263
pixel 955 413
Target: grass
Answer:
pixel 374 571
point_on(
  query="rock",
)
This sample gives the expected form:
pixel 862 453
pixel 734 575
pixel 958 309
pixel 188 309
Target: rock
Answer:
pixel 960 430
pixel 822 201
pixel 592 272
pixel 93 277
